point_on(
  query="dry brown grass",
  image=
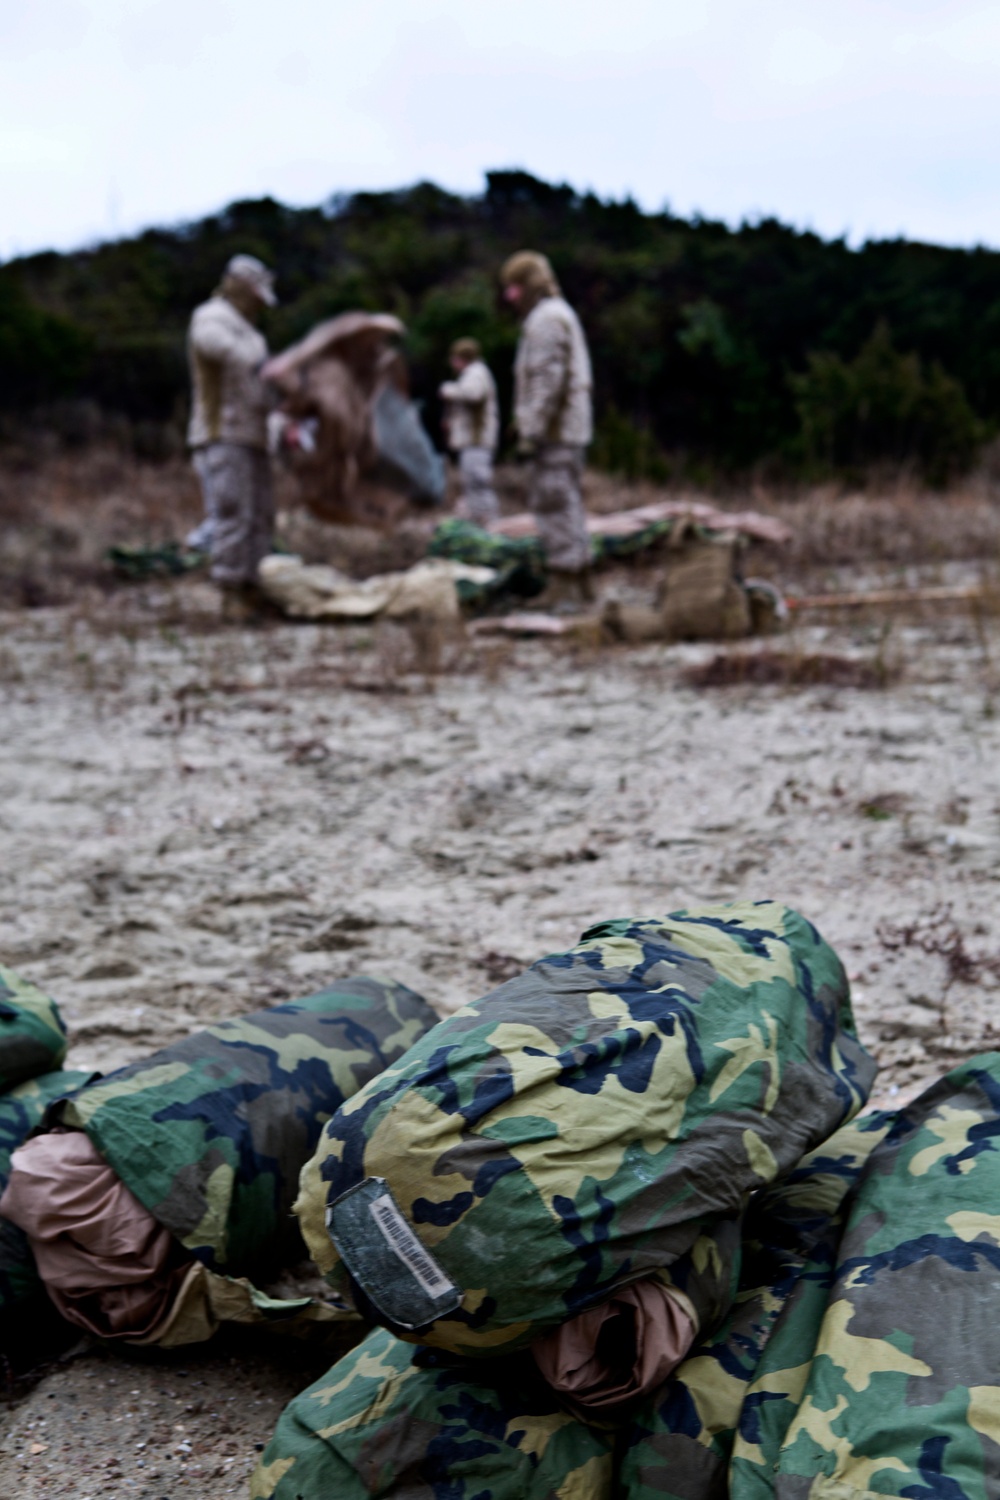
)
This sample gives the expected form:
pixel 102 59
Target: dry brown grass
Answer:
pixel 61 512
pixel 895 525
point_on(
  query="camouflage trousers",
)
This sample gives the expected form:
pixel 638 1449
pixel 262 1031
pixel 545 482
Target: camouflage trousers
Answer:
pixel 555 498
pixel 478 501
pixel 239 504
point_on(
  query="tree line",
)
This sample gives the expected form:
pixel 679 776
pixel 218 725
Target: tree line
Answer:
pixel 717 351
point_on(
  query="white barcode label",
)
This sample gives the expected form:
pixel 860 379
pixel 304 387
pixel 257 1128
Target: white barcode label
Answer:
pixel 409 1249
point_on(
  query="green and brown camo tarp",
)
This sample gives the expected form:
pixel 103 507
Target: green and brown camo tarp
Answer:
pixel 211 1132
pixel 32 1034
pixel 900 1393
pixel 582 1125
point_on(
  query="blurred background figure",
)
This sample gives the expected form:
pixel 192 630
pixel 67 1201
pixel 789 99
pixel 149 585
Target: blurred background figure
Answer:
pixel 348 429
pixel 553 416
pixel 228 429
pixel 473 426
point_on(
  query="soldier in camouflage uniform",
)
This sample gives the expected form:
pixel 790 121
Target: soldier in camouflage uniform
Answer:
pixel 607 1109
pixel 228 428
pixel 393 1421
pixel 22 1295
pixel 679 1441
pixel 552 414
pixel 32 1048
pixel 472 422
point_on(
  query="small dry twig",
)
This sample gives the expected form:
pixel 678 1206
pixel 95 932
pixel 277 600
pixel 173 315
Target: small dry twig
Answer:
pixel 938 935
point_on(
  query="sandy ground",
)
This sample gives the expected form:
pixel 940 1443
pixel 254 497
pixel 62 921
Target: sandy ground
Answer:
pixel 199 821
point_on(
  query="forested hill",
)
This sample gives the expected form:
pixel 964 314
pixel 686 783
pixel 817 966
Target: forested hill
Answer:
pixel 714 349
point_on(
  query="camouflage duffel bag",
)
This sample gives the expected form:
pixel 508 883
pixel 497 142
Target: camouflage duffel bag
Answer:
pixel 390 1421
pixel 22 1296
pixel 32 1034
pixel 679 1441
pixel 393 1421
pixel 902 1394
pixel 582 1126
pixel 210 1133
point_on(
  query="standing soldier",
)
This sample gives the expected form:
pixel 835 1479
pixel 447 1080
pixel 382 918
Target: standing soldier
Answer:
pixel 228 428
pixel 473 426
pixel 552 415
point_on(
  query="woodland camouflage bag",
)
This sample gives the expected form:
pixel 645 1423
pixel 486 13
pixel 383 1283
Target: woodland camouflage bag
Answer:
pixel 901 1394
pixel 391 1420
pixel 679 1443
pixel 584 1124
pixel 32 1034
pixel 211 1132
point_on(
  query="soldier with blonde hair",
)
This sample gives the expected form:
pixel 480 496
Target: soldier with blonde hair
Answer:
pixel 552 413
pixel 228 429
pixel 473 426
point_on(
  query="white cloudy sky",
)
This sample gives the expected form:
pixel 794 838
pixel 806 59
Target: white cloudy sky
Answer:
pixel 865 117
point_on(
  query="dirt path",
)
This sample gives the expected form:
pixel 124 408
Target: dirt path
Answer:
pixel 197 823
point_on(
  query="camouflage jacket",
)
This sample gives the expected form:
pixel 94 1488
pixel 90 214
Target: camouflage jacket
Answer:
pixel 392 1421
pixel 230 402
pixel 471 414
pixel 22 1297
pixel 584 1124
pixel 679 1443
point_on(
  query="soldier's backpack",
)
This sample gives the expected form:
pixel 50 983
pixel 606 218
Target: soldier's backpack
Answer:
pixel 703 597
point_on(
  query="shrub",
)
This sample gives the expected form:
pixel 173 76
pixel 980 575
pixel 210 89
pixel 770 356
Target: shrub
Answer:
pixel 884 406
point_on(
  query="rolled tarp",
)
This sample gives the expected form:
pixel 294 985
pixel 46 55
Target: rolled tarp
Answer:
pixel 583 1125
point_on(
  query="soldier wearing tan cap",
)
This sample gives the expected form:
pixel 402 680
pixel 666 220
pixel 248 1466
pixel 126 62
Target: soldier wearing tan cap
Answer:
pixel 228 428
pixel 473 426
pixel 552 413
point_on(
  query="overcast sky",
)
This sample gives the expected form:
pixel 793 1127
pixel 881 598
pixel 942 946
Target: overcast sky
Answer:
pixel 864 117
